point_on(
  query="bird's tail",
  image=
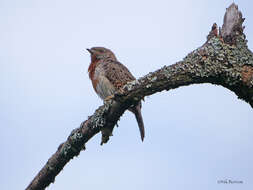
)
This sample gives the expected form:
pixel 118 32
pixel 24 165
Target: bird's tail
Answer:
pixel 137 112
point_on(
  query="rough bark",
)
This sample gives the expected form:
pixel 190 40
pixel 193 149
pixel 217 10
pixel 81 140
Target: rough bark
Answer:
pixel 224 60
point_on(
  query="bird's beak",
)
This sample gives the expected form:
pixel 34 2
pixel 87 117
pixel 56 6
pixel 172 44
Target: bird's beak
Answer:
pixel 89 50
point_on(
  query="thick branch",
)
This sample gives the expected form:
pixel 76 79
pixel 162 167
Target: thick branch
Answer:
pixel 219 61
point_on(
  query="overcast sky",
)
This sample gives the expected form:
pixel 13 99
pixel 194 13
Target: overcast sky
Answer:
pixel 195 135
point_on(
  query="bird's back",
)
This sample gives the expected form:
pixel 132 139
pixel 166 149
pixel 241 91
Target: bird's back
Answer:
pixel 117 73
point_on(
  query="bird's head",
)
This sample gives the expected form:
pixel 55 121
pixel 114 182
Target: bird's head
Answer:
pixel 98 53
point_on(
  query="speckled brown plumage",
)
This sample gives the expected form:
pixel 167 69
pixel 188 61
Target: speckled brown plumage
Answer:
pixel 117 73
pixel 108 75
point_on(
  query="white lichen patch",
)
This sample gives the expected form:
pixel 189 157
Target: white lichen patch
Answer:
pixel 153 79
pixel 130 85
pixel 148 86
pixel 65 149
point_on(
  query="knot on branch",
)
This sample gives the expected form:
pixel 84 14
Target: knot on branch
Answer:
pixel 232 24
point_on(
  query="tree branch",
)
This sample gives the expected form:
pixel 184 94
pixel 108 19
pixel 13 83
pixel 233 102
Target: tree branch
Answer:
pixel 223 60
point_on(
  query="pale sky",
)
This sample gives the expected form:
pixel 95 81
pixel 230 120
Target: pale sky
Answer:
pixel 195 135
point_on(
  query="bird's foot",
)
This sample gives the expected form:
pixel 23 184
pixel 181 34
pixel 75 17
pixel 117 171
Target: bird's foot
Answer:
pixel 109 98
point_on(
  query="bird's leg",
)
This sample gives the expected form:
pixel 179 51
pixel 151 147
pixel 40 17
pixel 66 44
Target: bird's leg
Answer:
pixel 109 97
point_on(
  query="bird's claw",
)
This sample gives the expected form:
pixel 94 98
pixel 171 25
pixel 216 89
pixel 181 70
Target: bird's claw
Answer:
pixel 109 98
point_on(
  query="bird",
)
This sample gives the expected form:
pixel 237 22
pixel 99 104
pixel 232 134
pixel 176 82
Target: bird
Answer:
pixel 108 76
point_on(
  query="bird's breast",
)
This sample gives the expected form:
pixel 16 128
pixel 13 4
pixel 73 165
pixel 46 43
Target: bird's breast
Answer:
pixel 91 69
pixel 101 84
pixel 104 87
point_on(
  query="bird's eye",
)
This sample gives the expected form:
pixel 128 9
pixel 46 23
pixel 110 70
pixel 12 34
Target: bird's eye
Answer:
pixel 101 51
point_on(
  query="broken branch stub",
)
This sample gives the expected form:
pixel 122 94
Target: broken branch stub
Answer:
pixel 232 24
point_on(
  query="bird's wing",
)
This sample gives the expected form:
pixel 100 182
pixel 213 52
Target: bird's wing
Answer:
pixel 117 73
